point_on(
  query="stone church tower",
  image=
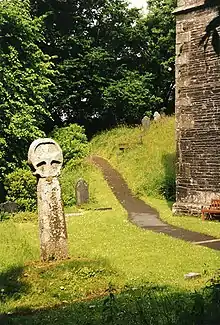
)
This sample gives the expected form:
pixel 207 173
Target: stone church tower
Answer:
pixel 197 108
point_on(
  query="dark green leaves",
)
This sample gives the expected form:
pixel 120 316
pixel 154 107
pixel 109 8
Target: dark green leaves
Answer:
pixel 25 73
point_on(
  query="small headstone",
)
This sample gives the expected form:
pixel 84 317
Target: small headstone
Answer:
pixel 46 158
pixel 10 207
pixel 192 275
pixel 82 192
pixel 145 123
pixel 157 116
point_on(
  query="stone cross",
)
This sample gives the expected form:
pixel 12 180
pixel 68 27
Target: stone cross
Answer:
pixel 46 158
pixel 82 192
pixel 145 123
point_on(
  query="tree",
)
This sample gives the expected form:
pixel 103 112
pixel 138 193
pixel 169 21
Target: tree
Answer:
pixel 92 42
pixel 25 73
pixel 97 46
pixel 130 97
pixel 159 26
pixel 150 85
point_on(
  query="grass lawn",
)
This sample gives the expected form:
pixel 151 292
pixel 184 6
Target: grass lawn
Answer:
pixel 117 273
pixel 148 166
pixel 108 255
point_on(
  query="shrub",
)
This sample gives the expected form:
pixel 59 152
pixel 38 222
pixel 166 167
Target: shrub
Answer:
pixel 20 187
pixel 73 142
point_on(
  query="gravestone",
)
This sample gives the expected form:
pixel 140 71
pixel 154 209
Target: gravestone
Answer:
pixel 46 158
pixel 157 116
pixel 145 123
pixel 82 192
pixel 10 207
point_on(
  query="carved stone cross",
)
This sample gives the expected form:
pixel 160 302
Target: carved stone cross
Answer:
pixel 46 158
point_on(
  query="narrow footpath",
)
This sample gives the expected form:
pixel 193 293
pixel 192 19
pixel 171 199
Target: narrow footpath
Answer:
pixel 143 215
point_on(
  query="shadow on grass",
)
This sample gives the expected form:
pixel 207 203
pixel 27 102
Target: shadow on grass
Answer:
pixel 168 186
pixel 61 282
pixel 11 285
pixel 149 305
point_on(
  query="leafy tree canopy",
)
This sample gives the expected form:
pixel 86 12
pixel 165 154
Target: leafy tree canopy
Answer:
pixel 24 82
pixel 104 53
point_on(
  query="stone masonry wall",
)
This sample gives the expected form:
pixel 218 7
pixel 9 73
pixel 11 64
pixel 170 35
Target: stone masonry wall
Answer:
pixel 197 110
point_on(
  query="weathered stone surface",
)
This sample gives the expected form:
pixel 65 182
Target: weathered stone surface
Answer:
pixel 186 5
pixel 45 155
pixel 53 234
pixel 197 110
pixel 10 207
pixel 157 116
pixel 82 192
pixel 46 158
pixel 145 123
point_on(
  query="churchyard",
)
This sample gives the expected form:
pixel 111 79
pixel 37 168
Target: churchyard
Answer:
pixel 116 273
pixel 108 231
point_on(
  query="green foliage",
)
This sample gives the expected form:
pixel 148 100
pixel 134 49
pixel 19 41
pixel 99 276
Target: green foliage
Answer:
pixel 104 248
pixel 4 216
pixel 21 188
pixel 24 84
pixel 130 97
pixel 24 217
pixel 148 162
pixel 113 63
pixel 168 187
pixel 146 305
pixel 73 142
pixel 20 185
pixel 159 29
pixel 69 177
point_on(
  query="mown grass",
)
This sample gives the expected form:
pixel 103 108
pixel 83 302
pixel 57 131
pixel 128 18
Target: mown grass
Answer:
pixel 145 305
pixel 211 228
pixel 148 165
pixel 148 160
pixel 106 251
pixel 117 273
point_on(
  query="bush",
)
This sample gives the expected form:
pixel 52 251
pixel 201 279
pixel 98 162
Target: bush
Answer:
pixel 20 187
pixel 73 142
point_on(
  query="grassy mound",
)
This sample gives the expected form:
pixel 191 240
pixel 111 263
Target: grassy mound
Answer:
pixel 147 160
pixel 147 163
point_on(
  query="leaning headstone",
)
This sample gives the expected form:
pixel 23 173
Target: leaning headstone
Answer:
pixel 157 116
pixel 46 158
pixel 82 192
pixel 145 123
pixel 9 207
